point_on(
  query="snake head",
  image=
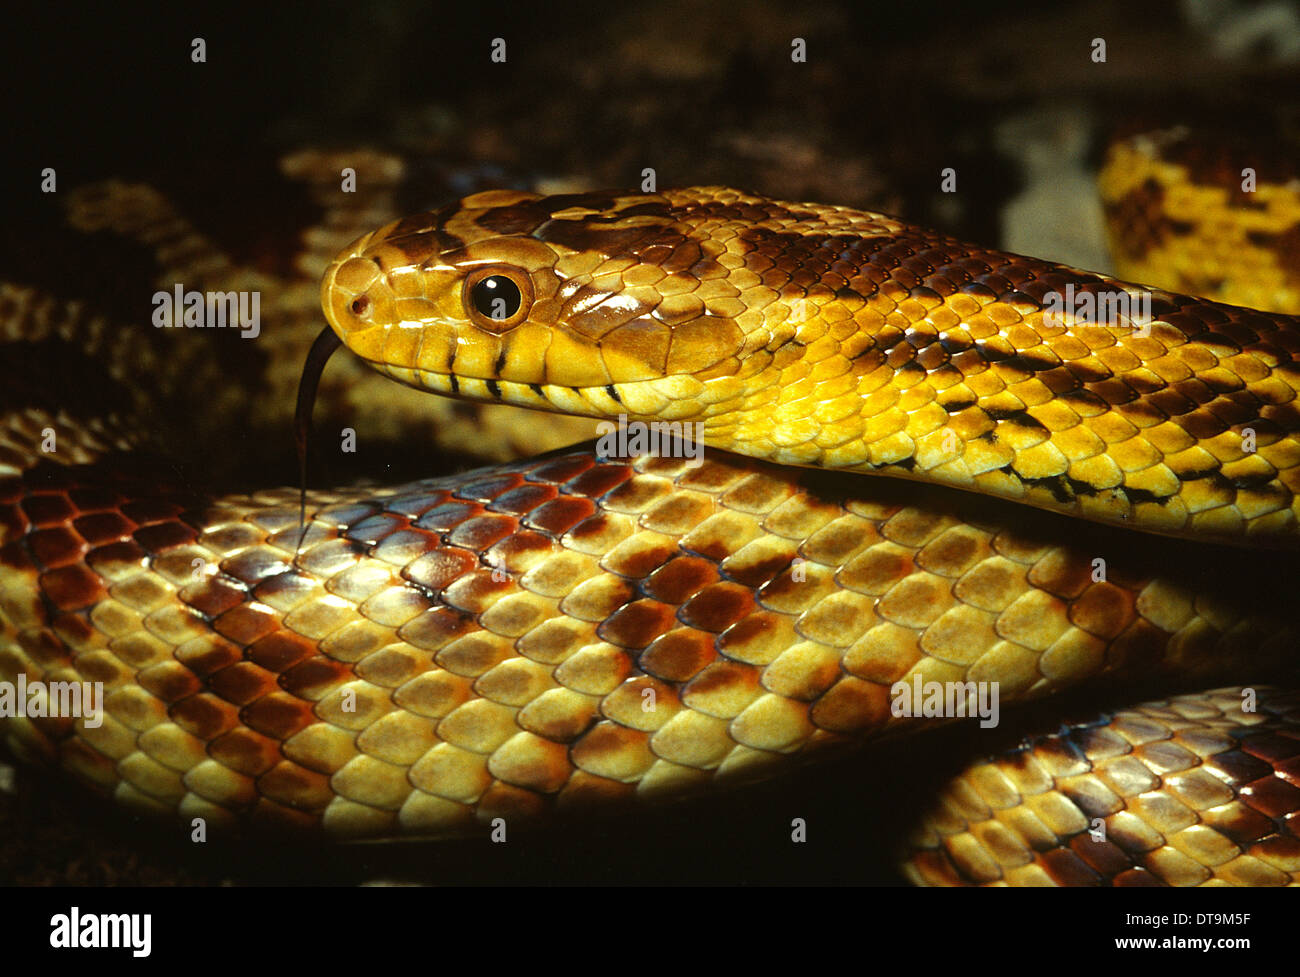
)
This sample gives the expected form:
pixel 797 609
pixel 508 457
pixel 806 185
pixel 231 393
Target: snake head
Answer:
pixel 592 303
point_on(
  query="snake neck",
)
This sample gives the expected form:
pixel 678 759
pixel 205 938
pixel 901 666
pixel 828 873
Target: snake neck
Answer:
pixel 826 337
pixel 1134 422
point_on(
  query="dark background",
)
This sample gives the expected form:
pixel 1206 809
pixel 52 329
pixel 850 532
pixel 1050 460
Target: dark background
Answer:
pixel 890 94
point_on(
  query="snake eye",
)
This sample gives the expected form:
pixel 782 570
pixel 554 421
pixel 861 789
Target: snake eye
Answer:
pixel 498 298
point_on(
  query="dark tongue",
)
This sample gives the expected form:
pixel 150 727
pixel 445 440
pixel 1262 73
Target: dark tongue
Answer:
pixel 321 350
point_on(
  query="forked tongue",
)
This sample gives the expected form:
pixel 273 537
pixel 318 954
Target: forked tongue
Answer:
pixel 321 350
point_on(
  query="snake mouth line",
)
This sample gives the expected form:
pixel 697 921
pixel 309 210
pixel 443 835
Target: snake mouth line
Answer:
pixel 593 401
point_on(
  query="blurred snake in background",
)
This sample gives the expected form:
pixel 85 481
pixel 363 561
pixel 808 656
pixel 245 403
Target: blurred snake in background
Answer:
pixel 586 628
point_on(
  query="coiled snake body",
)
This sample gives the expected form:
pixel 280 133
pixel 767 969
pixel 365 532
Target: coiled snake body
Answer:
pixel 583 628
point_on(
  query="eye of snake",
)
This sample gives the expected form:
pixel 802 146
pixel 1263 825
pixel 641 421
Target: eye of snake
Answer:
pixel 497 298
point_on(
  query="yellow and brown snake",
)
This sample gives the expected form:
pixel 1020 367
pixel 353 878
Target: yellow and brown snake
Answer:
pixel 584 628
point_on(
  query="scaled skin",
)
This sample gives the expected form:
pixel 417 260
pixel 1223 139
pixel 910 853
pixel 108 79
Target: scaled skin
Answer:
pixel 496 634
pixel 827 337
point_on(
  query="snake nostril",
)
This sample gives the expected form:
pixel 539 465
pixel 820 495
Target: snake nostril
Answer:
pixel 360 305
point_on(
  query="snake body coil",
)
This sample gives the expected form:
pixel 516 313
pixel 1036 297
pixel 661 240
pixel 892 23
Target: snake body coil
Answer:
pixel 582 628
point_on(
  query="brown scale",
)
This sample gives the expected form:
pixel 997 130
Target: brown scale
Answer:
pixel 477 694
pixel 1141 207
pixel 1085 806
pixel 1178 213
pixel 478 697
pixel 891 349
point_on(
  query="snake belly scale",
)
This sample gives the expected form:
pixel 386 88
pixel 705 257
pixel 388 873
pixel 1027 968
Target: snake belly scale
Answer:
pixel 581 629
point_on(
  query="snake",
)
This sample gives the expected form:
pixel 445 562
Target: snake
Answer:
pixel 927 462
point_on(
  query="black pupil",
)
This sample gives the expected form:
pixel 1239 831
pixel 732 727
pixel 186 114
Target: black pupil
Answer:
pixel 497 297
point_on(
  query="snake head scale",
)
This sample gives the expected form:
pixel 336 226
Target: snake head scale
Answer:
pixel 672 306
pixel 828 337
